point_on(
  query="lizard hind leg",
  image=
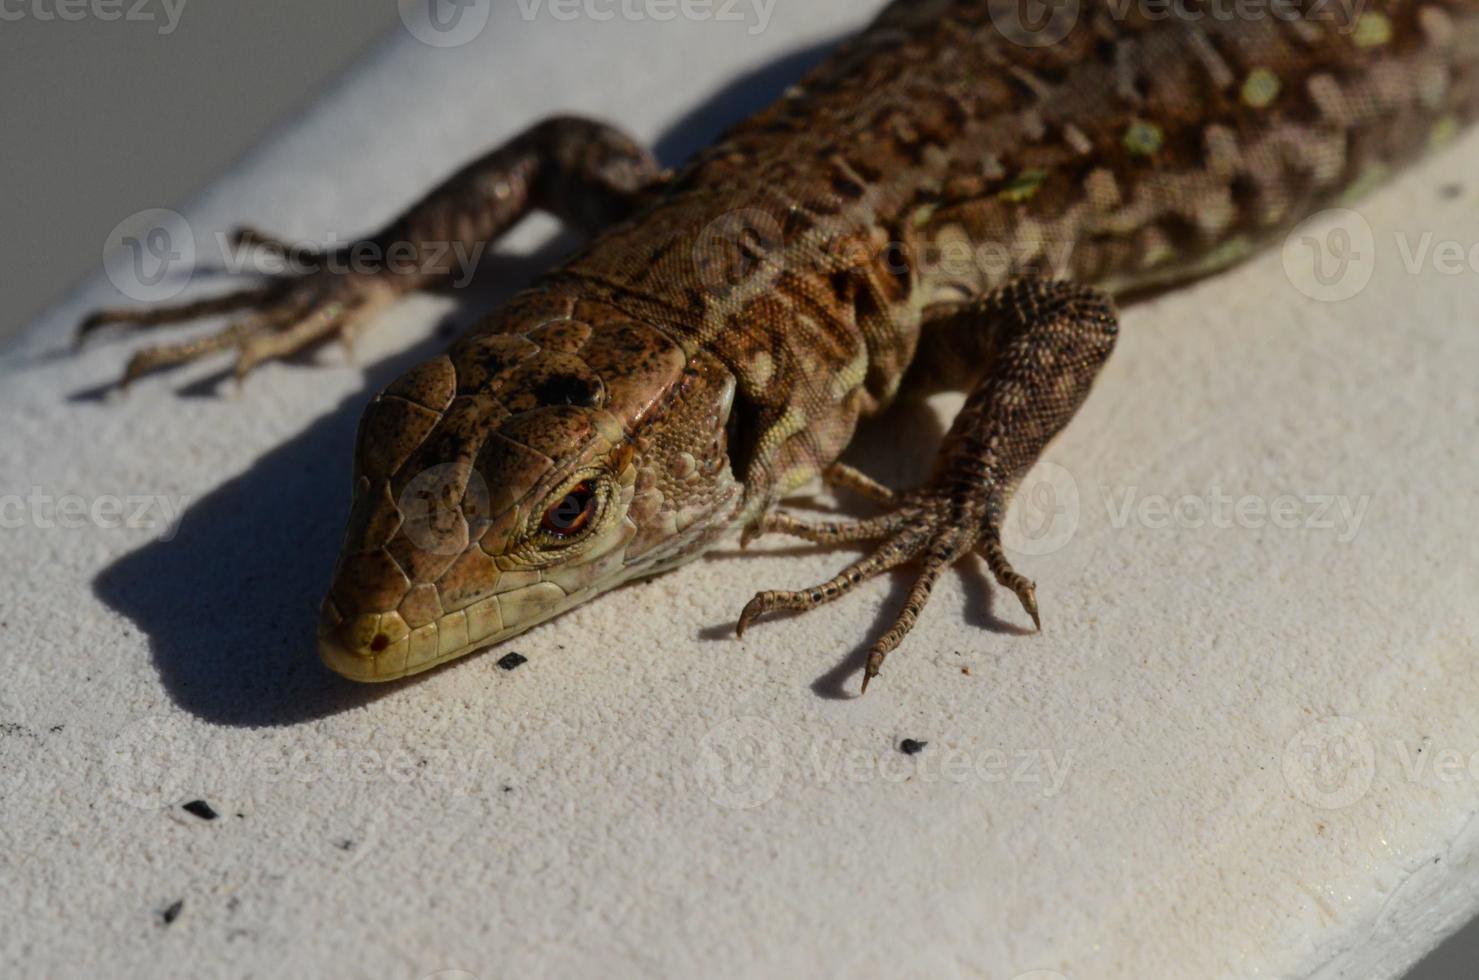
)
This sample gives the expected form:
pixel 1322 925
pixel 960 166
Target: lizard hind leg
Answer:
pixel 1045 342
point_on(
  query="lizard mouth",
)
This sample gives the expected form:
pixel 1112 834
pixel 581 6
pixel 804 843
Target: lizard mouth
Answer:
pixel 377 647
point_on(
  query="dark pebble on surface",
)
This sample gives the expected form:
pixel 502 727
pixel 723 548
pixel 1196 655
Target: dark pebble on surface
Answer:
pixel 171 912
pixel 511 660
pixel 201 809
pixel 910 746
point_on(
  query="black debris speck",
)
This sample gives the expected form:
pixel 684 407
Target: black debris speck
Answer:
pixel 912 746
pixel 201 809
pixel 507 788
pixel 345 844
pixel 57 728
pixel 511 660
pixel 13 729
pixel 171 912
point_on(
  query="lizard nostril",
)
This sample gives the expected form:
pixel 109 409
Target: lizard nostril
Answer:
pixel 380 642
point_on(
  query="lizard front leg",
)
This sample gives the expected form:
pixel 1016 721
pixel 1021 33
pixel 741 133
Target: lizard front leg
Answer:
pixel 1042 343
pixel 585 173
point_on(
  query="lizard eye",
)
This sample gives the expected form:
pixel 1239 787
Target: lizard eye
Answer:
pixel 572 514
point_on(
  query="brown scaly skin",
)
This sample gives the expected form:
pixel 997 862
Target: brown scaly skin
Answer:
pixel 938 194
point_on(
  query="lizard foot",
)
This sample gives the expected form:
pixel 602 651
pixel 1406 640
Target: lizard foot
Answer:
pixel 285 317
pixel 934 526
pixel 584 172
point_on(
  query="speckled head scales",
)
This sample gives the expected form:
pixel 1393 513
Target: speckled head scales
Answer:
pixel 458 459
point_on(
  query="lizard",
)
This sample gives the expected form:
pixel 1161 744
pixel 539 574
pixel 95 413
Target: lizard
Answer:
pixel 957 197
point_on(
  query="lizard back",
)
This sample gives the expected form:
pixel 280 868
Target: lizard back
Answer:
pixel 949 149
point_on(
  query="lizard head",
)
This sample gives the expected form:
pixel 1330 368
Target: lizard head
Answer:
pixel 556 451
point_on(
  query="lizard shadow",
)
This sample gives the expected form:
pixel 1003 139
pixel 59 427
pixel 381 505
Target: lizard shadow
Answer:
pixel 227 600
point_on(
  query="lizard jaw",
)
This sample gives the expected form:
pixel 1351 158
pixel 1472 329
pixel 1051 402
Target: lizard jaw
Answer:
pixel 377 647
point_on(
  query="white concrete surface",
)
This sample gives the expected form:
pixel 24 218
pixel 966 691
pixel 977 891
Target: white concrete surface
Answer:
pixel 1243 746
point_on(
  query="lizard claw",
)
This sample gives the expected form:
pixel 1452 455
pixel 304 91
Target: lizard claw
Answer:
pixel 1008 577
pixel 935 527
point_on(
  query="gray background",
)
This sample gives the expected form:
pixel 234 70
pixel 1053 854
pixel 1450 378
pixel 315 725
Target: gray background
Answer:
pixel 100 120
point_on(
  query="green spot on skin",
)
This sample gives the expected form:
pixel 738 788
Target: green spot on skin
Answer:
pixel 1372 30
pixel 1144 138
pixel 1024 185
pixel 1260 88
pixel 1444 130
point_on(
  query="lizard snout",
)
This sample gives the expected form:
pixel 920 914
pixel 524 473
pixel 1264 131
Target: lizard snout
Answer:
pixel 363 647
